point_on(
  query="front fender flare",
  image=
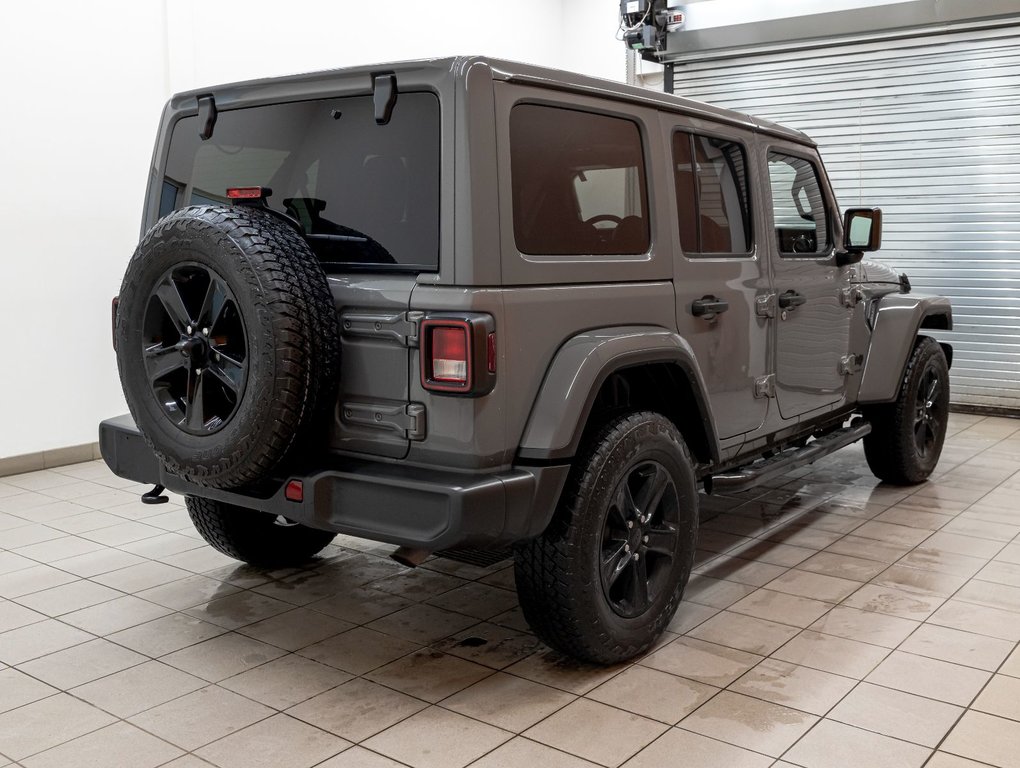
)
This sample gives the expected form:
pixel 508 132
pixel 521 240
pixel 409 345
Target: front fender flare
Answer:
pixel 576 375
pixel 897 320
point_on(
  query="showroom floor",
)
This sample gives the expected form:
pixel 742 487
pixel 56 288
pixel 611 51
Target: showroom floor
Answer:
pixel 831 623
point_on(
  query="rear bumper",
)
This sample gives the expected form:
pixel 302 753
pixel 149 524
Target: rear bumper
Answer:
pixel 409 506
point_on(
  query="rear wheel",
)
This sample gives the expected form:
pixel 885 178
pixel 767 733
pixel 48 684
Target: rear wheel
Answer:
pixel 907 435
pixel 604 580
pixel 255 537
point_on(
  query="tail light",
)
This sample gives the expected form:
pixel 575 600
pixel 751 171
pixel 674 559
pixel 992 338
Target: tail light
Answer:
pixel 458 354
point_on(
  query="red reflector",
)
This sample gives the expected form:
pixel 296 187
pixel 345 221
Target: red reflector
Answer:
pixel 245 193
pixel 295 491
pixel 490 353
pixel 450 354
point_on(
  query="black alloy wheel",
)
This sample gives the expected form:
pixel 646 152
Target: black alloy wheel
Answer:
pixel 927 426
pixel 639 539
pixel 194 348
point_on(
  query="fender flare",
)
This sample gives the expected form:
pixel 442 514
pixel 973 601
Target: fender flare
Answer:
pixel 897 319
pixel 578 370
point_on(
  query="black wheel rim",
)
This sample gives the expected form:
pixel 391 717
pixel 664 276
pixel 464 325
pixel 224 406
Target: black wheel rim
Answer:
pixel 194 348
pixel 640 536
pixel 928 412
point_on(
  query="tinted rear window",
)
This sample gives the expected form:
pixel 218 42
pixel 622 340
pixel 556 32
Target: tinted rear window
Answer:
pixel 366 194
pixel 578 182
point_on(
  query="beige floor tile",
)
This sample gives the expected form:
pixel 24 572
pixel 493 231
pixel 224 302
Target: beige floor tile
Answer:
pixel 1012 664
pixel 138 688
pixel 68 597
pixel 895 713
pixel 166 635
pixel 929 677
pixel 188 592
pixel 478 600
pixel 422 624
pixel 239 609
pixel 437 738
pixel 18 689
pixel 418 584
pixel 296 629
pixel 969 525
pixel 81 663
pixel 286 681
pixel 651 693
pixel 703 662
pixel 360 605
pixel 986 593
pixel 115 746
pixel 93 563
pixel 122 533
pixel 919 581
pixel 865 626
pixel 946 760
pixel 553 669
pixel 358 757
pixel 429 674
pixel 835 745
pixel 985 738
pixel 490 644
pixel 222 657
pixel 58 549
pixel 29 533
pixel 357 709
pixel 115 615
pixel 958 544
pixel 745 633
pixel 13 616
pixel 136 578
pixel 868 549
pixel 817 586
pixel 909 515
pixel 945 562
pixel 894 602
pixel 773 552
pixel 161 546
pixel 200 717
pixel 716 593
pixel 690 615
pixel 278 742
pixel 508 702
pixel 39 639
pixel 803 688
pixel 597 732
pixel 693 750
pixel 750 723
pixel 523 752
pixel 888 533
pixel 359 650
pixel 1000 697
pixel 971 617
pixel 751 572
pixel 832 654
pixel 958 647
pixel 1000 573
pixel 46 723
pixel 780 607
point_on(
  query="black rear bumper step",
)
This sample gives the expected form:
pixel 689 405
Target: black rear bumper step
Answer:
pixel 792 458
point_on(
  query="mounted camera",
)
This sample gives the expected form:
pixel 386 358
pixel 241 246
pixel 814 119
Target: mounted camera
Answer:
pixel 644 25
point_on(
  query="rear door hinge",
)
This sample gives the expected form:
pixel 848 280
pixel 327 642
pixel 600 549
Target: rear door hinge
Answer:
pixel 765 386
pixel 851 297
pixel 850 364
pixel 405 420
pixel 765 305
pixel 401 327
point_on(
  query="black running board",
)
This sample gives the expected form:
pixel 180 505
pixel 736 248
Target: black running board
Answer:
pixel 792 458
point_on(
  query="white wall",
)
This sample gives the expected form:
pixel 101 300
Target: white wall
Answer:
pixel 83 86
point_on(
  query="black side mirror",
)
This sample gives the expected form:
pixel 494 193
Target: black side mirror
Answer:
pixel 862 232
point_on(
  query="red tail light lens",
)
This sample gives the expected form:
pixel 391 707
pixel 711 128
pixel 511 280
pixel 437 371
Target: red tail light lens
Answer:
pixel 295 491
pixel 450 354
pixel 458 354
pixel 247 193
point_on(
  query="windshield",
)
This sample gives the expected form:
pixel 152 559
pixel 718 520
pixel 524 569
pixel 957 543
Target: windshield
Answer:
pixel 367 195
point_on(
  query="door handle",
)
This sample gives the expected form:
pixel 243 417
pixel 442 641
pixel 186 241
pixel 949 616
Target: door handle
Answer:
pixel 709 306
pixel 790 299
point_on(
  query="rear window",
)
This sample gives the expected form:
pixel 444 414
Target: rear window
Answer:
pixel 367 195
pixel 578 182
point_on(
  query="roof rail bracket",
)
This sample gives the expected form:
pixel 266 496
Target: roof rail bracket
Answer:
pixel 206 116
pixel 384 91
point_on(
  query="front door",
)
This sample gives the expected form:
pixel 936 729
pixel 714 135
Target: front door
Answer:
pixel 719 272
pixel 813 320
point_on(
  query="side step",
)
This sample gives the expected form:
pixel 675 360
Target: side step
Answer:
pixel 792 458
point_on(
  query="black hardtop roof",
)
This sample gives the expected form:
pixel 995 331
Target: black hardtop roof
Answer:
pixel 503 69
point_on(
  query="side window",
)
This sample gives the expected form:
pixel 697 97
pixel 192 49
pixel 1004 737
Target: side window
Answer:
pixel 578 183
pixel 798 206
pixel 713 199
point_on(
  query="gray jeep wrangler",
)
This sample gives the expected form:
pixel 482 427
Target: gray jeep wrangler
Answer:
pixel 468 303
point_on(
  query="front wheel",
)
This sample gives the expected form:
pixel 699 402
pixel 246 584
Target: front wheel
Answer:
pixel 907 435
pixel 604 580
pixel 256 538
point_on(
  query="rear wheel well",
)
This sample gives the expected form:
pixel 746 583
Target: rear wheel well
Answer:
pixel 661 387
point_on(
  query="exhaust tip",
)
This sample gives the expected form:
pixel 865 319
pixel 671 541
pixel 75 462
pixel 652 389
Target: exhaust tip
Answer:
pixel 409 556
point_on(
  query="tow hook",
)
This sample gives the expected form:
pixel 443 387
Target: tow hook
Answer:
pixel 410 556
pixel 155 496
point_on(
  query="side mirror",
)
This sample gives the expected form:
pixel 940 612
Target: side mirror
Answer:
pixel 862 232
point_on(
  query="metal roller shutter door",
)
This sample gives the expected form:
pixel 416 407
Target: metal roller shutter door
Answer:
pixel 928 129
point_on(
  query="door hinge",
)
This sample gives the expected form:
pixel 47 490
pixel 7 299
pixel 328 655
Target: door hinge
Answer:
pixel 401 327
pixel 407 420
pixel 765 305
pixel 851 297
pixel 765 386
pixel 850 364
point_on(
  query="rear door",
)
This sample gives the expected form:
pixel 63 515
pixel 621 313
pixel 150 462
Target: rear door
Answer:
pixel 813 327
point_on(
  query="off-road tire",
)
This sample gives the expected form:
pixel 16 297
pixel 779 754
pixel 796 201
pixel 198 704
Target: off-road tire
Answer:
pixel 253 537
pixel 558 578
pixel 292 334
pixel 892 448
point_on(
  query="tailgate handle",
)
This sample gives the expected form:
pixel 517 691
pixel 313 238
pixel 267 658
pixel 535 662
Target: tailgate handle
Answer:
pixel 790 299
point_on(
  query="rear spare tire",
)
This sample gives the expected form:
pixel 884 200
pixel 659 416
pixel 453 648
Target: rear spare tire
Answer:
pixel 227 343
